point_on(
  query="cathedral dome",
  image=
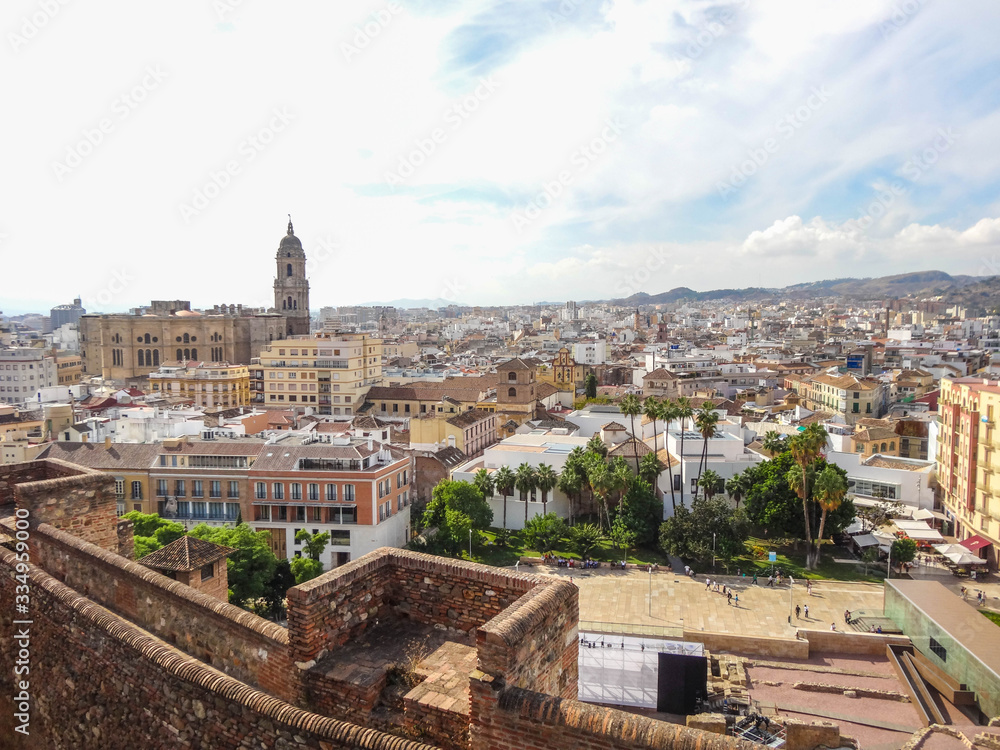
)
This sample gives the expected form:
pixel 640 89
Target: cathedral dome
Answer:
pixel 290 241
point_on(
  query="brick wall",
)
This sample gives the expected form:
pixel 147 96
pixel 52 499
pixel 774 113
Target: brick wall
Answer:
pixel 461 595
pixel 505 717
pixel 533 643
pixel 98 682
pixel 78 500
pixel 337 606
pixel 248 647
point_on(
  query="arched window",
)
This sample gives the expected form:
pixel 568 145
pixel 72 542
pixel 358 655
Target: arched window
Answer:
pixel 512 376
pixel 156 357
pixel 512 392
pixel 892 445
pixel 295 304
pixel 883 447
pixel 194 354
pixel 149 358
pixel 180 354
pixel 289 303
pixel 284 305
pixel 145 339
pixel 187 339
pixel 142 359
pixel 187 354
pixel 288 271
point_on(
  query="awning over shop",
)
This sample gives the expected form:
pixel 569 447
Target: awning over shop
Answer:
pixel 975 543
pixel 865 540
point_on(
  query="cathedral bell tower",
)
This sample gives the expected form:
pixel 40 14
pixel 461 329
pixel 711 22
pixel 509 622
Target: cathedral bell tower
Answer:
pixel 291 288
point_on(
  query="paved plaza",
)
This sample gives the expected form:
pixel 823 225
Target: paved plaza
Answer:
pixel 616 596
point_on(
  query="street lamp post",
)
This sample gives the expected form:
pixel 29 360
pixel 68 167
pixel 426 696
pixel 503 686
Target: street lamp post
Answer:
pixel 470 544
pixel 650 590
pixel 888 564
pixel 791 583
pixel 713 551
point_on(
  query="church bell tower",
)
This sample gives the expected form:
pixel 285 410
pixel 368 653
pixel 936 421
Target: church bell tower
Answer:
pixel 291 287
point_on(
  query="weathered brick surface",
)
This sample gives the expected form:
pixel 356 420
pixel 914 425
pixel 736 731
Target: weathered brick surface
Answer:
pixel 515 718
pixel 248 647
pixel 438 708
pixel 72 498
pixel 533 644
pixel 99 682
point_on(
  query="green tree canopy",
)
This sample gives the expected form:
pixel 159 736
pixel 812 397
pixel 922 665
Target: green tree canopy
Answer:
pixel 305 569
pixel 545 532
pixel 252 564
pixel 463 497
pixel 590 386
pixel 586 537
pixel 312 544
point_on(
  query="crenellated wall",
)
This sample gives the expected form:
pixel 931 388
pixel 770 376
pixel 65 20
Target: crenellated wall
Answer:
pixel 99 682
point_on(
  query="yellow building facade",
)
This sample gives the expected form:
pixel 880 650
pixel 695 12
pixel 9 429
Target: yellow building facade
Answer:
pixel 216 384
pixel 331 372
pixel 968 458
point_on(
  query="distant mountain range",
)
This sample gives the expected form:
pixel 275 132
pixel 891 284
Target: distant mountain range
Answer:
pixel 917 284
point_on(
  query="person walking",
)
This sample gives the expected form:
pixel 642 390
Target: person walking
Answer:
pixel 754 581
pixel 805 610
pixel 797 610
pixel 729 598
pixel 809 588
pixel 737 601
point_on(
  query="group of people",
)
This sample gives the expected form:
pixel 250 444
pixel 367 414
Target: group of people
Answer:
pixel 732 597
pixel 980 596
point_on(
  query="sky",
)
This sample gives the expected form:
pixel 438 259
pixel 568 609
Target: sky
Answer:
pixel 491 152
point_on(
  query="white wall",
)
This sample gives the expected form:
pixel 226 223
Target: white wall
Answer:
pixel 913 489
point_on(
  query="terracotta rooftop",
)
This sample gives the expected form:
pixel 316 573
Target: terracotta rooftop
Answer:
pixel 185 554
pixel 120 456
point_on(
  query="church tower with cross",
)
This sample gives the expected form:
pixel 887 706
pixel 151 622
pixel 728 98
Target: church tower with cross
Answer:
pixel 291 287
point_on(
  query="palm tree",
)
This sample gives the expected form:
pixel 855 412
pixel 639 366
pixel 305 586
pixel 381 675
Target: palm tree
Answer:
pixel 806 447
pixel 621 477
pixel 650 469
pixel 709 482
pixel 683 412
pixel 545 480
pixel 484 483
pixel 830 489
pixel 630 407
pixel 524 481
pixel 668 414
pixel 571 481
pixel 503 480
pixel 596 445
pixel 706 422
pixel 653 409
pixel 736 488
pixel 601 483
pixel 773 443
